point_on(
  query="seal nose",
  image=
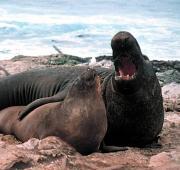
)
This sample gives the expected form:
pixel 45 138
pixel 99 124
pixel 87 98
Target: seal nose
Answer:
pixel 90 74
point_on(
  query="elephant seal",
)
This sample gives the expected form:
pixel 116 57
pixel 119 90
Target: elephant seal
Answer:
pixel 132 95
pixel 37 87
pixel 80 119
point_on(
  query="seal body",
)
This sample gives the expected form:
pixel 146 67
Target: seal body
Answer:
pixel 25 87
pixel 132 96
pixel 80 119
pixel 37 87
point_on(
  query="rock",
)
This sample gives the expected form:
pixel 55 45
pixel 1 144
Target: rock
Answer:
pixel 165 161
pixel 168 76
pixel 9 139
pixel 31 144
pixel 167 71
pixel 68 60
pixel 11 156
pixel 171 96
pixel 169 105
pixel 19 57
pixel 174 119
pixel 14 67
pixel 177 105
pixel 103 57
pixel 33 152
pixel 171 91
pixel 177 66
pixel 54 146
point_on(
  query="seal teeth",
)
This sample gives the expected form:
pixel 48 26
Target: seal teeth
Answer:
pixel 124 77
pixel 120 75
pixel 134 75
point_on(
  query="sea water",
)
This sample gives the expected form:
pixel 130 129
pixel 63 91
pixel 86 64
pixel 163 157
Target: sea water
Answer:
pixel 85 28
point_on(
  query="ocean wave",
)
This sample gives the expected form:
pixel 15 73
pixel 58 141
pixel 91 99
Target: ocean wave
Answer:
pixel 49 19
pixel 33 31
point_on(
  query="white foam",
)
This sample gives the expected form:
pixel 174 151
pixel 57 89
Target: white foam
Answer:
pixel 22 47
pixel 6 25
pixel 153 34
pixel 107 19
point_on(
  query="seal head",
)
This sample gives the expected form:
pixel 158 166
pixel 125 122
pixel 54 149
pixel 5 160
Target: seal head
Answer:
pixel 127 59
pixel 85 83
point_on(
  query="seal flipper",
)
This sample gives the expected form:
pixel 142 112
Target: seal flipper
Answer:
pixel 106 149
pixel 39 102
pixel 154 145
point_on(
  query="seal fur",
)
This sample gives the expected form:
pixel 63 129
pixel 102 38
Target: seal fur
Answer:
pixel 80 119
pixel 132 96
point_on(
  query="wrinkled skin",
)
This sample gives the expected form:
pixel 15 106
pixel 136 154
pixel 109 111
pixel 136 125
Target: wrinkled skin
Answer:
pixel 37 87
pixel 80 119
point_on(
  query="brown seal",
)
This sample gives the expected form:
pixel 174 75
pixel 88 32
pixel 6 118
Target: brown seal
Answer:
pixel 80 119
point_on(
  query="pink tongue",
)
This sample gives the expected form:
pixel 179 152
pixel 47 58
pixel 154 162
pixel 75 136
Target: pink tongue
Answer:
pixel 127 68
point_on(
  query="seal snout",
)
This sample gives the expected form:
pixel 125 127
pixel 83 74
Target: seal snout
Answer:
pixel 87 80
pixel 126 54
pixel 89 75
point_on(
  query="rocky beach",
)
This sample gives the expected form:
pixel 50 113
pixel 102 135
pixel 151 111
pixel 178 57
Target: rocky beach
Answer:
pixel 52 153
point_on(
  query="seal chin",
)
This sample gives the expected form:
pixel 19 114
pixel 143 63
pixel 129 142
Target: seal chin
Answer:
pixel 125 69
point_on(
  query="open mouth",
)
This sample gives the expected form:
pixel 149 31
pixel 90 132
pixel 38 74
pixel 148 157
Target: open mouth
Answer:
pixel 126 69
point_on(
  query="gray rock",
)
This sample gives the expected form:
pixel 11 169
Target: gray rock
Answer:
pixel 168 76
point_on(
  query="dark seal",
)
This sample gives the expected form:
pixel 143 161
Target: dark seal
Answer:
pixel 80 119
pixel 132 96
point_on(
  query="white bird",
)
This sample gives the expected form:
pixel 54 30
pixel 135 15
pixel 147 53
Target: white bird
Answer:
pixel 93 61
